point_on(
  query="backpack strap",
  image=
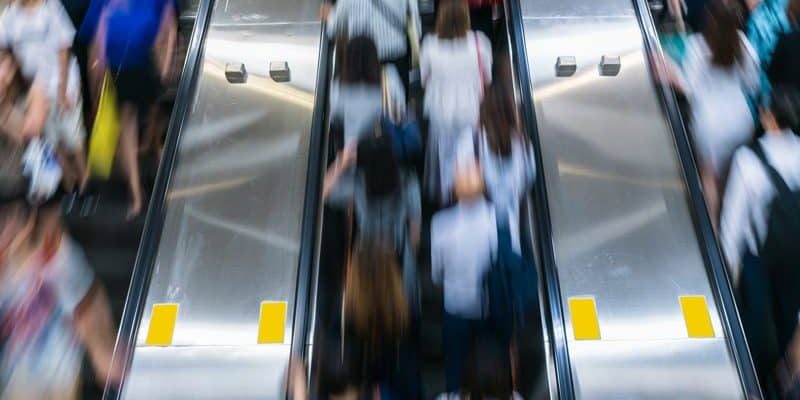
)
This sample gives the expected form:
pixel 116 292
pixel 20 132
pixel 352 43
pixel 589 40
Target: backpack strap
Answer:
pixel 775 177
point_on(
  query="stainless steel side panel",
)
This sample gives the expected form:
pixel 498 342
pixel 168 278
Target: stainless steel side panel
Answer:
pixel 622 227
pixel 232 227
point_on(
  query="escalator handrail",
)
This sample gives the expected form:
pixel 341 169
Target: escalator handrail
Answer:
pixel 156 212
pixel 312 203
pixel 555 320
pixel 719 280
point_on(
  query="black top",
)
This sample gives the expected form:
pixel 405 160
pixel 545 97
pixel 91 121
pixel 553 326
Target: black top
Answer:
pixel 785 67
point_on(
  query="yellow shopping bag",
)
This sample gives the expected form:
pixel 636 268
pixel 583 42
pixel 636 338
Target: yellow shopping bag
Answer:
pixel 105 132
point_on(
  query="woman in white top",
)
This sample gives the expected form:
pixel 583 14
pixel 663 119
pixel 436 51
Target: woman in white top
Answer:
pixel 505 155
pixel 721 73
pixel 356 96
pixel 455 64
pixel 749 193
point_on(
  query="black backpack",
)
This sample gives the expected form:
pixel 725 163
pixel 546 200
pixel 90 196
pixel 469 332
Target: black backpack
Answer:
pixel 510 285
pixel 780 253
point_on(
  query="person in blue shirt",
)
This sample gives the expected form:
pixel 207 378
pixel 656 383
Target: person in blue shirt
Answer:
pixel 134 41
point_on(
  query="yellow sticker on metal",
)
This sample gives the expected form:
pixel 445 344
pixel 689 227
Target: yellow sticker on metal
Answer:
pixel 162 324
pixel 585 325
pixel 272 322
pixel 697 317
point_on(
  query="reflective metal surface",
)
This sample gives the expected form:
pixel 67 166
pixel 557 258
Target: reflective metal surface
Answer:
pixel 231 235
pixel 622 228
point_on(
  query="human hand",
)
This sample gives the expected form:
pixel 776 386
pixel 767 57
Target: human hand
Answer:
pixel 325 11
pixel 347 156
pixel 64 102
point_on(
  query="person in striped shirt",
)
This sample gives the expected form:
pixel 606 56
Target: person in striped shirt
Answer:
pixel 384 21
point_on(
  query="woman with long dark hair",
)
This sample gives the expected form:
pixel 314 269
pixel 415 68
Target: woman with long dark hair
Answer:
pixel 356 96
pixel 456 65
pixel 386 200
pixel 505 155
pixel 721 74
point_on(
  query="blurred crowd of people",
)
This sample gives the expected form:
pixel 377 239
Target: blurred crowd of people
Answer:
pixel 435 199
pixel 738 69
pixel 55 315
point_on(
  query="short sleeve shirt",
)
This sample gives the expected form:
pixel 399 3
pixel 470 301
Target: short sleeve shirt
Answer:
pixel 36 36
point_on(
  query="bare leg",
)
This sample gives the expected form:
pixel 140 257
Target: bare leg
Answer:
pixel 78 158
pixel 128 157
pixel 711 193
pixel 94 326
pixel 68 174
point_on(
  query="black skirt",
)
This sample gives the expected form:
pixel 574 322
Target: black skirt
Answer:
pixel 138 85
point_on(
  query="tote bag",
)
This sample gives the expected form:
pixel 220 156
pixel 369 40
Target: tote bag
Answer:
pixel 105 132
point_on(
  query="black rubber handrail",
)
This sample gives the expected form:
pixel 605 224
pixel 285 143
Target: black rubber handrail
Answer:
pixel 717 273
pixel 156 212
pixel 555 321
pixel 317 157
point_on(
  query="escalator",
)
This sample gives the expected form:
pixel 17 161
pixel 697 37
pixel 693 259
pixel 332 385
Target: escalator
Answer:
pixel 232 261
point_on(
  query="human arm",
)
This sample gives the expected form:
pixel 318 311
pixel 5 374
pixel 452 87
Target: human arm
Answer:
pixel 97 56
pixel 333 175
pixel 63 33
pixel 425 54
pixel 36 111
pixel 750 67
pixel 167 40
pixel 334 16
pixel 95 329
pixel 414 206
pixel 437 262
pixel 485 48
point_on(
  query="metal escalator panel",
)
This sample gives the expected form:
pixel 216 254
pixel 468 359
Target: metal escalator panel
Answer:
pixel 214 316
pixel 642 320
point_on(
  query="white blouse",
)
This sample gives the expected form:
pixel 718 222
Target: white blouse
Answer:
pixel 451 74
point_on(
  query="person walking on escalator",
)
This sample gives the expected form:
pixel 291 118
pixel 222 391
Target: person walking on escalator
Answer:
pixel 356 98
pixel 134 42
pixel 52 309
pixel 784 68
pixel 40 34
pixel 505 155
pixel 385 199
pixel 388 23
pixel 720 76
pixel 463 242
pixel 455 66
pixel 761 216
pixel 487 373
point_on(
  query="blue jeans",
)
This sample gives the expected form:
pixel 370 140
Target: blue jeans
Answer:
pixel 458 334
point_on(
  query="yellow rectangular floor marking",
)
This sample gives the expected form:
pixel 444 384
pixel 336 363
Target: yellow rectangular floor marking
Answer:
pixel 272 322
pixel 697 317
pixel 162 324
pixel 585 325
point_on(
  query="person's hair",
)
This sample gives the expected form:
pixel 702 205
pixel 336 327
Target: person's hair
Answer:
pixel 785 107
pixel 376 161
pixel 336 372
pixel 361 63
pixel 499 118
pixel 721 32
pixel 793 12
pixel 452 20
pixel 375 302
pixel 488 372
